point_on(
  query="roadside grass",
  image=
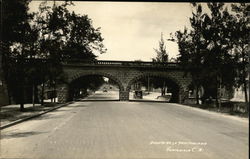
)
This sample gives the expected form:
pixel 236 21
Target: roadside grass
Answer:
pixel 230 108
pixel 13 113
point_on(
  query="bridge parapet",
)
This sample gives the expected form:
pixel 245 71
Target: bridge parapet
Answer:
pixel 76 62
pixel 123 64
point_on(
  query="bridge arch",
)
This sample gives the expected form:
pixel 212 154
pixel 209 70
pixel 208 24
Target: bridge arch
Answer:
pixel 124 73
pixel 65 90
pixel 179 85
pixel 104 74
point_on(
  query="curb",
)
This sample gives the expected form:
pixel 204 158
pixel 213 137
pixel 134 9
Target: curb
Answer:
pixel 148 101
pixel 242 119
pixel 101 100
pixel 34 116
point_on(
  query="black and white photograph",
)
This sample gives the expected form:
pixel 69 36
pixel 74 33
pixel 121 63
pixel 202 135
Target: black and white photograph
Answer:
pixel 124 79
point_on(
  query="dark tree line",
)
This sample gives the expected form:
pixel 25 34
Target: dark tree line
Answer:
pixel 214 51
pixel 35 44
pixel 91 82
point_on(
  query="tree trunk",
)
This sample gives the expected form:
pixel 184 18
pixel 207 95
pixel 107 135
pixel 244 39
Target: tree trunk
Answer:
pixel 33 94
pixel 22 89
pixel 9 99
pixel 245 90
pixel 219 94
pixel 245 87
pixel 246 62
pixel 197 95
pixel 248 66
pixel 42 94
pixel 9 95
pixel 55 92
pixel 21 107
pixel 163 89
pixel 246 97
pixel 148 85
pixel 246 94
pixel 22 97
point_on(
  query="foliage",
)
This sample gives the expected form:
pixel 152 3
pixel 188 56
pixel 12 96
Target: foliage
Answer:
pixel 206 50
pixel 15 19
pixel 72 34
pixel 92 82
pixel 38 43
pixel 14 32
pixel 240 41
pixel 65 36
pixel 162 55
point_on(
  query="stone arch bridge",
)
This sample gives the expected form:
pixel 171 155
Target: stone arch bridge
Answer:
pixel 124 73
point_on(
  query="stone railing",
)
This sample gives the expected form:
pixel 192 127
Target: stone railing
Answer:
pixel 122 63
pixel 103 63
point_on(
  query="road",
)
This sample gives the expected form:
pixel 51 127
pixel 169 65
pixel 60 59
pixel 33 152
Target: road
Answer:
pixel 114 95
pixel 127 130
pixel 100 95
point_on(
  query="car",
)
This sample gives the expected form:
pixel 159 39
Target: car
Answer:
pixel 138 94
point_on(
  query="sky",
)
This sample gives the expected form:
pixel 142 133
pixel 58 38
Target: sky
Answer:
pixel 131 30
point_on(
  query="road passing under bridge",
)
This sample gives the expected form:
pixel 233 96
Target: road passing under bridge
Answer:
pixel 125 74
pixel 122 130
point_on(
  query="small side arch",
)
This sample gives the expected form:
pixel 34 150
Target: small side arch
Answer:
pixel 180 91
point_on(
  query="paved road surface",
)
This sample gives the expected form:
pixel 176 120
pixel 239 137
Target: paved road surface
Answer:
pixel 127 130
pixel 100 95
pixel 114 95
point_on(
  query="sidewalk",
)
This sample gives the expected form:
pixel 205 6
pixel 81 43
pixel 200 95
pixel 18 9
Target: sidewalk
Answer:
pixel 11 114
pixel 152 96
pixel 226 110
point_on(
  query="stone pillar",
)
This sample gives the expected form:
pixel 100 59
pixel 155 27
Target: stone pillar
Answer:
pixel 63 94
pixel 123 95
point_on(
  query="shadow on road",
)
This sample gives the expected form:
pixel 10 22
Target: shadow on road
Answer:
pixel 48 116
pixel 21 134
pixel 144 100
pixel 97 100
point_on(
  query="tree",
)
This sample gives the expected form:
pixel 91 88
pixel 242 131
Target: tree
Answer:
pixel 53 35
pixel 218 29
pixel 206 50
pixel 15 20
pixel 72 34
pixel 66 36
pixel 240 40
pixel 191 47
pixel 92 82
pixel 197 47
pixel 162 57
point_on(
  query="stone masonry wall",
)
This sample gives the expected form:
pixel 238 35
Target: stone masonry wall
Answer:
pixel 125 77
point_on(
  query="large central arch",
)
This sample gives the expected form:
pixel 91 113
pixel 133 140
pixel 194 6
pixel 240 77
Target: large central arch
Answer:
pixel 65 90
pixel 104 74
